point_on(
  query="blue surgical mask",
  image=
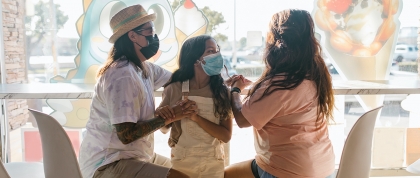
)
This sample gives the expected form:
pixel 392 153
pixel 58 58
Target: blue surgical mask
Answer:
pixel 214 64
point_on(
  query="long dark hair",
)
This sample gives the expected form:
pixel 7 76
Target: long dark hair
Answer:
pixel 123 49
pixel 293 53
pixel 191 51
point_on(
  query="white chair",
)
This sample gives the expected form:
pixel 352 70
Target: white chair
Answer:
pixel 414 168
pixel 21 170
pixel 58 154
pixel 357 152
pixel 3 172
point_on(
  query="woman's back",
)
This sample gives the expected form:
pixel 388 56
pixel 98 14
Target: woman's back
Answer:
pixel 287 141
pixel 291 104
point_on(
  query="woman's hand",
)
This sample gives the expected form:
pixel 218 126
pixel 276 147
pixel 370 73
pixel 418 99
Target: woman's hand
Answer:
pixel 189 107
pixel 241 82
pixel 184 109
pixel 231 80
pixel 165 112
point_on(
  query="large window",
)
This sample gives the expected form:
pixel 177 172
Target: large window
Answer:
pixel 67 41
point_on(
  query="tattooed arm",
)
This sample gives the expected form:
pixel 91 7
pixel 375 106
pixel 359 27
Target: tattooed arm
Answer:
pixel 128 132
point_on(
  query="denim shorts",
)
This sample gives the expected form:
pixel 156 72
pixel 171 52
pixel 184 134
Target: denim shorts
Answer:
pixel 259 173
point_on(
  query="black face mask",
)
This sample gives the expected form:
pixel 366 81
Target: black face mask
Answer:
pixel 151 49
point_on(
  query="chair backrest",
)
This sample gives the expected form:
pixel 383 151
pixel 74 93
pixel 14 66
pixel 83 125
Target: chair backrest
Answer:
pixel 414 168
pixel 3 172
pixel 356 157
pixel 58 154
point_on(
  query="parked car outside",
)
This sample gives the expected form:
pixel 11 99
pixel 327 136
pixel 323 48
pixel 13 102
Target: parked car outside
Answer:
pixel 330 66
pixel 240 60
pixel 405 52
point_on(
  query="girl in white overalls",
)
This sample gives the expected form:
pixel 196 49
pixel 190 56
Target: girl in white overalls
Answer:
pixel 197 142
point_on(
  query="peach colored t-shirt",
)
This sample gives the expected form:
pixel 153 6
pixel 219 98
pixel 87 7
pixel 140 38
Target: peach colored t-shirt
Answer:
pixel 286 139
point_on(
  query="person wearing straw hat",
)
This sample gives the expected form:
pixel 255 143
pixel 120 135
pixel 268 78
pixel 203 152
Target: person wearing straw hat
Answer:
pixel 119 134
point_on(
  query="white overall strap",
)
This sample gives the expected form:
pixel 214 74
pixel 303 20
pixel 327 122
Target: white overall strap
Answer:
pixel 185 89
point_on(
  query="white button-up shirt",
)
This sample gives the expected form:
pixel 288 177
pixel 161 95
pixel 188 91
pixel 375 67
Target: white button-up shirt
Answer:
pixel 121 95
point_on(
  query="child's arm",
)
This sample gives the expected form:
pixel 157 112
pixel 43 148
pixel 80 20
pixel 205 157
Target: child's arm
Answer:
pixel 222 132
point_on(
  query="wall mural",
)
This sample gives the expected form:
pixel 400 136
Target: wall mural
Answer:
pixel 359 37
pixel 172 26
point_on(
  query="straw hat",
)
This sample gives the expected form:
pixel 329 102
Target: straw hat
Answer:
pixel 128 19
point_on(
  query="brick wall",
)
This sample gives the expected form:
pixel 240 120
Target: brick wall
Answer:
pixel 14 57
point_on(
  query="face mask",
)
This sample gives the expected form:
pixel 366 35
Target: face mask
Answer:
pixel 214 64
pixel 151 49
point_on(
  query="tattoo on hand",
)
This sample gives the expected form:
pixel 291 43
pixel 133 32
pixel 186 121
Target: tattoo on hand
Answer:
pixel 128 132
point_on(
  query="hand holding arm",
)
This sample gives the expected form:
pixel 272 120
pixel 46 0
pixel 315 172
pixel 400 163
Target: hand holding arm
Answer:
pixel 165 112
pixel 231 80
pixel 236 102
pixel 128 132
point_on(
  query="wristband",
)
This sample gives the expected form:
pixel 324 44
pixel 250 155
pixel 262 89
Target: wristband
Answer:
pixel 235 89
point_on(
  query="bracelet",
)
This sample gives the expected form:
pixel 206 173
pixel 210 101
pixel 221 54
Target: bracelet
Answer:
pixel 235 89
